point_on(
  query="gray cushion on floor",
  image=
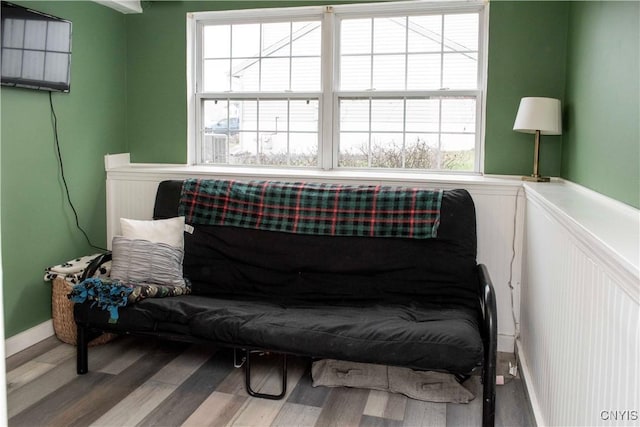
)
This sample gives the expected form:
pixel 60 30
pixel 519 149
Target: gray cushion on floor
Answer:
pixel 420 385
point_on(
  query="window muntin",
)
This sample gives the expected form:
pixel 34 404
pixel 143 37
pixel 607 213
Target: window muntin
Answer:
pixel 405 88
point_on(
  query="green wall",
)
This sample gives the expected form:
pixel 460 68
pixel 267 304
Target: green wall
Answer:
pixel 602 139
pixel 156 74
pixel 527 49
pixel 526 58
pixel 38 228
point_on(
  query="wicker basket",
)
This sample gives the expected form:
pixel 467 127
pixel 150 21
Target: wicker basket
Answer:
pixel 64 324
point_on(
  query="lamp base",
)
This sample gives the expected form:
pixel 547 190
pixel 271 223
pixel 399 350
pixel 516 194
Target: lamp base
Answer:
pixel 538 178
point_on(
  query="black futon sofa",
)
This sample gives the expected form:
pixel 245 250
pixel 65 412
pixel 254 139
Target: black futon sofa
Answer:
pixel 422 303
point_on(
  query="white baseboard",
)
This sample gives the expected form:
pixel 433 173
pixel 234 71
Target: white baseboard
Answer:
pixel 28 338
pixel 528 384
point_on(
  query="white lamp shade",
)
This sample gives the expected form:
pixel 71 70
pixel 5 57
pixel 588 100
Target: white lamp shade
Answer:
pixel 543 114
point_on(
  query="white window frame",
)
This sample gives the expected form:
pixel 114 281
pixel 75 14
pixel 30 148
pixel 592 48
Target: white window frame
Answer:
pixel 329 95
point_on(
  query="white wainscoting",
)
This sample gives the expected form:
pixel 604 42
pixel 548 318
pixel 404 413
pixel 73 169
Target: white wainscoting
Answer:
pixel 131 192
pixel 579 344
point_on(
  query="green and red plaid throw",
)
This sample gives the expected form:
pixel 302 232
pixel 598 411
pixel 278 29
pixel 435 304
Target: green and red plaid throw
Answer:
pixel 317 209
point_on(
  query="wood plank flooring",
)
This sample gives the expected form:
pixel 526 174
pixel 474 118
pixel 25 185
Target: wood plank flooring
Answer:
pixel 145 382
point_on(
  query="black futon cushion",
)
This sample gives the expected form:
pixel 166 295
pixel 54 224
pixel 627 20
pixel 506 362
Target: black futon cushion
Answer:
pixel 408 335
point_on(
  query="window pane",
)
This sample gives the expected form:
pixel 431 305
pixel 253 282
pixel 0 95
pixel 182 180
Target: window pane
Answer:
pixel 216 75
pixel 458 115
pixel 423 72
pixel 245 73
pixel 214 111
pixel 228 121
pixel 248 114
pixel 461 32
pixel 276 39
pixel 355 36
pixel 246 152
pixel 215 149
pixel 295 149
pixel 305 74
pixel 303 149
pixel 389 35
pixel 422 115
pixel 245 40
pixel 425 33
pixel 306 39
pixel 355 73
pixel 272 117
pixel 217 41
pixel 457 152
pixel 303 116
pixel 354 150
pixel 457 142
pixel 388 72
pixel 273 149
pixel 387 115
pixel 386 150
pixel 215 138
pixel 226 116
pixel 460 71
pixel 421 151
pixel 275 74
pixel 354 115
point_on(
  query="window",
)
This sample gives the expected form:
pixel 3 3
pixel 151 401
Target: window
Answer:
pixel 396 85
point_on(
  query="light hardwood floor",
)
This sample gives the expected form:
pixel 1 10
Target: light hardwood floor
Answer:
pixel 145 382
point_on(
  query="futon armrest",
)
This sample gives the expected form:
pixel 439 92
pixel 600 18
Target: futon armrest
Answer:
pixel 488 304
pixel 490 341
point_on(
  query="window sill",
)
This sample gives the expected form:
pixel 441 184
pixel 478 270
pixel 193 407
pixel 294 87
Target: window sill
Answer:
pixel 119 166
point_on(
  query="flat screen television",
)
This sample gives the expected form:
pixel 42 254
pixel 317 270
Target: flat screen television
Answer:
pixel 36 49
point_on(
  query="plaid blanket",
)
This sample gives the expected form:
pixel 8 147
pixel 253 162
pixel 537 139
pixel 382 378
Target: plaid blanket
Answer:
pixel 317 209
pixel 110 294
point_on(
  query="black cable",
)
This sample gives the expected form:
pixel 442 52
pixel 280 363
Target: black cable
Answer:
pixel 64 180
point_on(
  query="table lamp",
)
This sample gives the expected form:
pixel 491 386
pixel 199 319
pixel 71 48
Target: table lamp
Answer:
pixel 540 116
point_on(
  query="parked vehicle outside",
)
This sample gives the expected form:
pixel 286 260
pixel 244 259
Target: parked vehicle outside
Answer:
pixel 229 126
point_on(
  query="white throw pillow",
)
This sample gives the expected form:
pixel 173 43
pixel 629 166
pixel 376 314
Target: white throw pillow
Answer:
pixel 169 231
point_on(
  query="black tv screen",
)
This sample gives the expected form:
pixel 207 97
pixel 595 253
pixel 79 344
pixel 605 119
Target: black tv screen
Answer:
pixel 36 49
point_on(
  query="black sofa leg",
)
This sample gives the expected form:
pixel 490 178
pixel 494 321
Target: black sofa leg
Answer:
pixel 82 352
pixel 247 373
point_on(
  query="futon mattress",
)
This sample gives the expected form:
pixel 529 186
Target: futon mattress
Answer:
pixel 408 334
